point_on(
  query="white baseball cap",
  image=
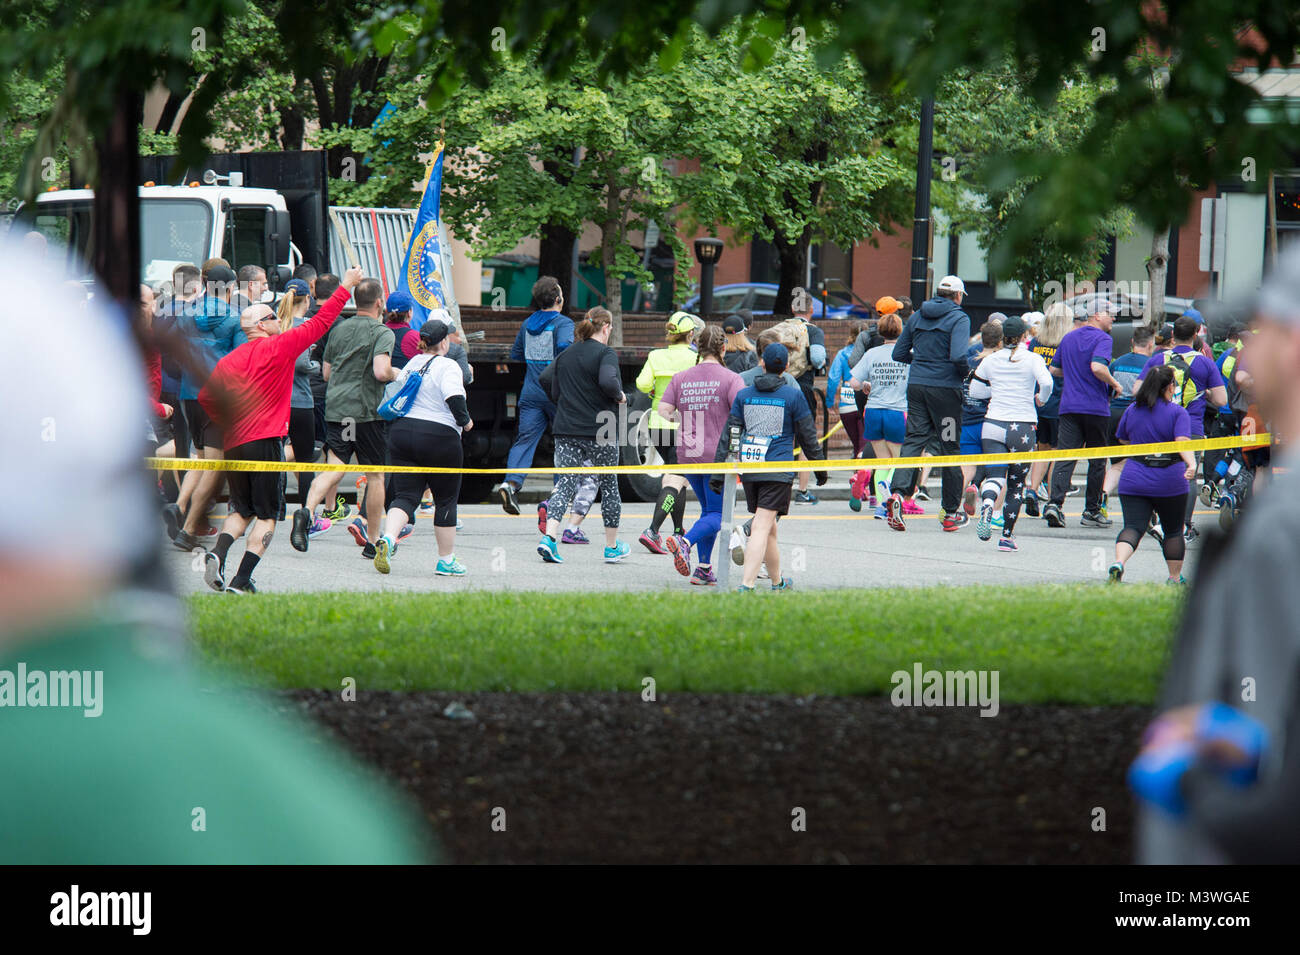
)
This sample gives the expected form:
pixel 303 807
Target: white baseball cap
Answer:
pixel 950 283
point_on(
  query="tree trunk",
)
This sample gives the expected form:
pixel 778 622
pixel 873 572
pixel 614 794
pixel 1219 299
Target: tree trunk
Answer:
pixel 794 271
pixel 115 219
pixel 610 236
pixel 555 257
pixel 1157 273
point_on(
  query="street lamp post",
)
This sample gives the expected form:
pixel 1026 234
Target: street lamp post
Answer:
pixel 707 253
pixel 921 215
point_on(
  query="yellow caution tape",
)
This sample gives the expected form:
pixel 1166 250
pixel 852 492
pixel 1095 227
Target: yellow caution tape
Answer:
pixel 748 467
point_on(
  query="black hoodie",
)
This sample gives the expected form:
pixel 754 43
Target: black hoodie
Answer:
pixel 934 343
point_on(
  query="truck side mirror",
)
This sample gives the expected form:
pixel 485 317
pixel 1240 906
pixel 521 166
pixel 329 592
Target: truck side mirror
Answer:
pixel 275 234
pixel 279 277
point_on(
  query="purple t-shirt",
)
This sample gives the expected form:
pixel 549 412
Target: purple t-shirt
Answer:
pixel 703 395
pixel 1082 392
pixel 1141 425
pixel 1205 375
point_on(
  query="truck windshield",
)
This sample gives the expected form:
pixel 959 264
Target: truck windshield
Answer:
pixel 172 232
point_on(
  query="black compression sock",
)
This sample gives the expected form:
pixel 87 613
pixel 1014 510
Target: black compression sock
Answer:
pixel 246 567
pixel 663 507
pixel 222 547
pixel 679 514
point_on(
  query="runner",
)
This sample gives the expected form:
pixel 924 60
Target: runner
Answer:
pixel 584 383
pixel 1056 323
pixel 1127 370
pixel 933 341
pixel 292 312
pixel 973 412
pixel 544 334
pixel 1082 362
pixel 883 379
pixel 763 423
pixel 1154 484
pixel 816 361
pixel 428 436
pixel 356 365
pixel 1016 383
pixel 660 366
pixel 841 393
pixel 1198 379
pixel 700 400
pixel 741 355
pixel 397 319
pixel 249 394
pixel 214 329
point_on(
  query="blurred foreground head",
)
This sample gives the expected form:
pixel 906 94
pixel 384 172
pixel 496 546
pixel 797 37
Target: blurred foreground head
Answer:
pixel 1273 355
pixel 73 433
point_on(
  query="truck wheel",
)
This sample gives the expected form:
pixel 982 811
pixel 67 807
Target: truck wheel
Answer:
pixel 637 449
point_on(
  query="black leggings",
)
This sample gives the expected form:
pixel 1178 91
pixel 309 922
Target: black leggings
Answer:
pixel 1138 509
pixel 414 442
pixel 302 437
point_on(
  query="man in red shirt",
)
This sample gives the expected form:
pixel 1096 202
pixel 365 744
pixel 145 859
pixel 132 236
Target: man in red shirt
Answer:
pixel 248 394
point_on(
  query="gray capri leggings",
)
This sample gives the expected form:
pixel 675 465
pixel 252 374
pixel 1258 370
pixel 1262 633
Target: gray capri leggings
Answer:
pixel 574 453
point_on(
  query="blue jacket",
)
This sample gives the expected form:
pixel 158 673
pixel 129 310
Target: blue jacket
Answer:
pixel 213 325
pixel 934 343
pixel 541 338
pixel 774 411
pixel 840 373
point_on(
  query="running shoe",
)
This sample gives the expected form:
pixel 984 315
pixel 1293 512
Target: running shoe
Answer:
pixel 1105 500
pixel 506 491
pixel 541 517
pixel 910 507
pixel 1052 514
pixel 921 494
pixel 742 589
pixel 1209 495
pixel 998 522
pixel 549 551
pixel 298 534
pixel 384 552
pixel 1178 581
pixel 357 528
pixel 680 548
pixel 1153 528
pixel 894 512
pixel 872 502
pixel 450 567
pixel 574 535
pixel 173 520
pixel 984 526
pixel 787 583
pixel 805 497
pixel 1007 544
pixel 651 542
pixel 368 552
pixel 187 542
pixel 616 554
pixel 739 541
pixel 208 531
pixel 704 577
pixel 241 587
pixel 955 521
pixel 881 512
pixel 460 525
pixel 341 510
pixel 858 488
pixel 1191 534
pixel 1094 519
pixel 406 531
pixel 762 572
pixel 318 527
pixel 855 504
pixel 1031 503
pixel 1074 489
pixel 968 500
pixel 427 507
pixel 1115 572
pixel 1227 510
pixel 213 573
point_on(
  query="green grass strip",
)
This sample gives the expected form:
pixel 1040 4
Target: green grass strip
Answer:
pixel 1081 643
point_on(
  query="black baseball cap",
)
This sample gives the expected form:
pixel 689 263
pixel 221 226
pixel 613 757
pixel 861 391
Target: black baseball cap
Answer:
pixel 733 323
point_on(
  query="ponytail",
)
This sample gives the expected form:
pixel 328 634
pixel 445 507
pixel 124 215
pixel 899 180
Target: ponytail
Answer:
pixel 595 319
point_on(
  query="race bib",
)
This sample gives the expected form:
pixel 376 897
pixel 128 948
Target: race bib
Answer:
pixel 848 401
pixel 753 447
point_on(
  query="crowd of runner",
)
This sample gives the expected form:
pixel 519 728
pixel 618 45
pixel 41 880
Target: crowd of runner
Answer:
pixel 239 378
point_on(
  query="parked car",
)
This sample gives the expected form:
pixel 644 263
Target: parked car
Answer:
pixel 759 297
pixel 1130 311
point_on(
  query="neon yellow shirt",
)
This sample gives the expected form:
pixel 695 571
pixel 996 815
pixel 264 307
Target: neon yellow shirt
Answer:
pixel 660 366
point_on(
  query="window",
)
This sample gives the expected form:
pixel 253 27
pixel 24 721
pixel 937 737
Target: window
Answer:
pixel 245 239
pixel 763 301
pixel 729 301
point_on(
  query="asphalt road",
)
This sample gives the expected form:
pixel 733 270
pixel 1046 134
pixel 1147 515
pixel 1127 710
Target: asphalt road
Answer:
pixel 822 546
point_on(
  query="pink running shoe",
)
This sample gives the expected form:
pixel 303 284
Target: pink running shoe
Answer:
pixel 910 507
pixel 858 486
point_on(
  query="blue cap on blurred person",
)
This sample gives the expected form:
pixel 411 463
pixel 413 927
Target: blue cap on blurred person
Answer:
pixel 775 358
pixel 297 287
pixel 399 301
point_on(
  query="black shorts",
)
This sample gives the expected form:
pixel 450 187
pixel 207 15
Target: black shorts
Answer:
pixel 770 495
pixel 1049 431
pixel 1111 438
pixel 369 441
pixel 257 494
pixel 162 430
pixel 204 432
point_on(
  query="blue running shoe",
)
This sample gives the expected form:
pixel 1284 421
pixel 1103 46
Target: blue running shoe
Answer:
pixel 549 551
pixel 615 554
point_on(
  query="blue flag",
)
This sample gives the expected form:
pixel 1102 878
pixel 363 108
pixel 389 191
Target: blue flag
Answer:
pixel 422 275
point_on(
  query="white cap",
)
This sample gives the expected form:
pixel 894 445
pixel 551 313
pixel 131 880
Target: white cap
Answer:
pixel 76 431
pixel 950 283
